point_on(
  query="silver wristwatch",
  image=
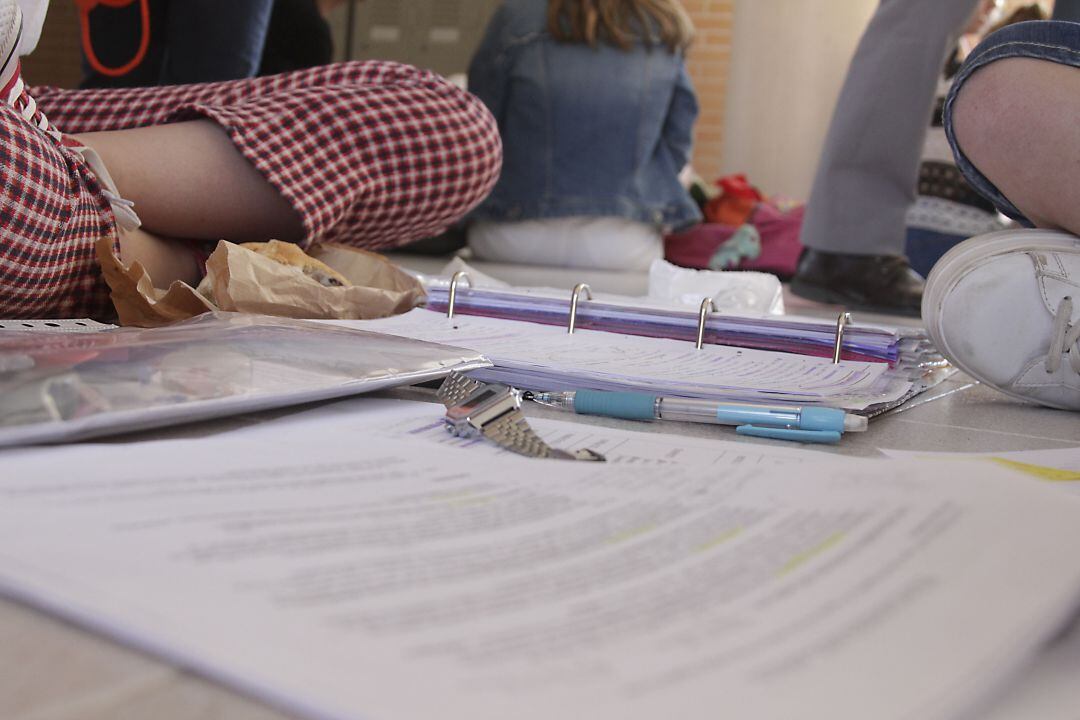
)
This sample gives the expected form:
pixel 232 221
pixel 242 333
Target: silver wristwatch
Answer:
pixel 493 411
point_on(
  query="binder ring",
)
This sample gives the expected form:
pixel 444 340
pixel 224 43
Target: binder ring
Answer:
pixel 574 297
pixel 841 323
pixel 707 306
pixel 453 291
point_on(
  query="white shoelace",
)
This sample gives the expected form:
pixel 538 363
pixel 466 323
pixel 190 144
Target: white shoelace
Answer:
pixel 1065 339
pixel 24 103
pixel 122 208
pixel 29 109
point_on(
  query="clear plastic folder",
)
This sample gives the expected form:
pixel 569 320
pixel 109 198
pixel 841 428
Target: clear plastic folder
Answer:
pixel 61 386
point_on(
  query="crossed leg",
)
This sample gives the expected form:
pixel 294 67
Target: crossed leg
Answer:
pixel 189 183
pixel 369 154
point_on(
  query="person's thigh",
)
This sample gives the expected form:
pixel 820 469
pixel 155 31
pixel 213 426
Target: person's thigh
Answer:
pixel 1011 119
pixel 102 109
pixel 373 154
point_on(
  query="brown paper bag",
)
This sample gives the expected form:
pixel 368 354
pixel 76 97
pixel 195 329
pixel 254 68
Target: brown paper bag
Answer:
pixel 240 280
pixel 137 301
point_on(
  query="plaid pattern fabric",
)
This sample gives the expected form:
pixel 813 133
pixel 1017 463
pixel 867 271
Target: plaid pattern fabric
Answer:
pixel 52 211
pixel 371 154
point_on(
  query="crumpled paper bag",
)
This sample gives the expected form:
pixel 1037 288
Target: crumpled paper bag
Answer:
pixel 239 280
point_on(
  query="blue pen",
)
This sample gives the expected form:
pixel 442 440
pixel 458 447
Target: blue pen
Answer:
pixel 779 422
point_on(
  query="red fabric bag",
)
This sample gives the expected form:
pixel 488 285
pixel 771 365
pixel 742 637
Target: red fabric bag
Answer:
pixel 717 246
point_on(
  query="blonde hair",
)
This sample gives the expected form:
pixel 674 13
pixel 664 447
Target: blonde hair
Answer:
pixel 620 22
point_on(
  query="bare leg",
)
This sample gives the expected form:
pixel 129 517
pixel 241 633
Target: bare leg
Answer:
pixel 189 182
pixel 1015 119
pixel 165 259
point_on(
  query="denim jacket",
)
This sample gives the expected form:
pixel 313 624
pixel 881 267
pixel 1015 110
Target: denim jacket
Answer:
pixel 586 131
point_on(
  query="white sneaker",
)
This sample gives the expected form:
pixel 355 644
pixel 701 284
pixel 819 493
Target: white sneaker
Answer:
pixel 10 31
pixel 1005 309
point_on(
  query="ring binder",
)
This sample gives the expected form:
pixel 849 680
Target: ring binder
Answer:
pixel 453 291
pixel 574 296
pixel 815 336
pixel 841 323
pixel 707 306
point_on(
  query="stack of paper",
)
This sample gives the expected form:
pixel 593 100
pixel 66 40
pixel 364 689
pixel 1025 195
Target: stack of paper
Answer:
pixel 907 347
pixel 343 575
pixel 541 357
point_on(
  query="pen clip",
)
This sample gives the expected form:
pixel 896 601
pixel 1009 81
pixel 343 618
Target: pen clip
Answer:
pixel 806 436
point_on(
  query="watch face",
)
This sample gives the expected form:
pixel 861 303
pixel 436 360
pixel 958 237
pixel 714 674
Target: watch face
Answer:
pixel 487 394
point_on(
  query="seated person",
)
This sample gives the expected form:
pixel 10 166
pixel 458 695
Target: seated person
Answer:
pixel 595 109
pixel 1005 307
pixel 370 154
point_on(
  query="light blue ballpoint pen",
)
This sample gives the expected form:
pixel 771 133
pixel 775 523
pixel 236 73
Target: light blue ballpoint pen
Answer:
pixel 780 422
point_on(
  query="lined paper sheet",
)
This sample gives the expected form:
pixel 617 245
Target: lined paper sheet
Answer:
pixel 547 357
pixel 380 579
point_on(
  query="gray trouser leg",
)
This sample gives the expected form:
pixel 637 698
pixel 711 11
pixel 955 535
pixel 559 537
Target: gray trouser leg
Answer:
pixel 866 178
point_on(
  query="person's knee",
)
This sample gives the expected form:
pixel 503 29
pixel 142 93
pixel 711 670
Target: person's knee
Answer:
pixel 989 114
pixel 479 153
pixel 1012 121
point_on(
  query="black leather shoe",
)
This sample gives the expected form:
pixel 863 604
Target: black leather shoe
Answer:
pixel 875 283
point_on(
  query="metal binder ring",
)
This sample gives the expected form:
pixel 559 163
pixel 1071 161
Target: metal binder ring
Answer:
pixel 453 291
pixel 841 323
pixel 707 306
pixel 574 296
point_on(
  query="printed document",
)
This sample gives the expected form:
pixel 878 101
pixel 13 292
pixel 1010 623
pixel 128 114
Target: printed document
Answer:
pixel 400 579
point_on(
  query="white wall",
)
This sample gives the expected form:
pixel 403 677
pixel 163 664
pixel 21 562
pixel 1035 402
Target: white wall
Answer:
pixel 788 63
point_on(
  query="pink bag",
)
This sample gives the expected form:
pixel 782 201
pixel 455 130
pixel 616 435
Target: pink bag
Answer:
pixel 768 243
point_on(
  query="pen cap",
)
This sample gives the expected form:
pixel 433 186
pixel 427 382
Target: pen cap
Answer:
pixel 625 405
pixel 819 418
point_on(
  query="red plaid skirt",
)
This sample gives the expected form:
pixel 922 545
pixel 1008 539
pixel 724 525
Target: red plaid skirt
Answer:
pixel 372 154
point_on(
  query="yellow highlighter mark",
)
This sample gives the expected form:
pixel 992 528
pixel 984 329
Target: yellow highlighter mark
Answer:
pixel 463 498
pixel 631 534
pixel 1039 471
pixel 719 540
pixel 802 558
pixel 471 501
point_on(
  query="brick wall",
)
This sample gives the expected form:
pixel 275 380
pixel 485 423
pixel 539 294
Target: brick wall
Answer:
pixel 709 62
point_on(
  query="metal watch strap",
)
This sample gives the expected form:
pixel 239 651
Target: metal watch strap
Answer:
pixel 456 388
pixel 511 429
pixel 512 432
